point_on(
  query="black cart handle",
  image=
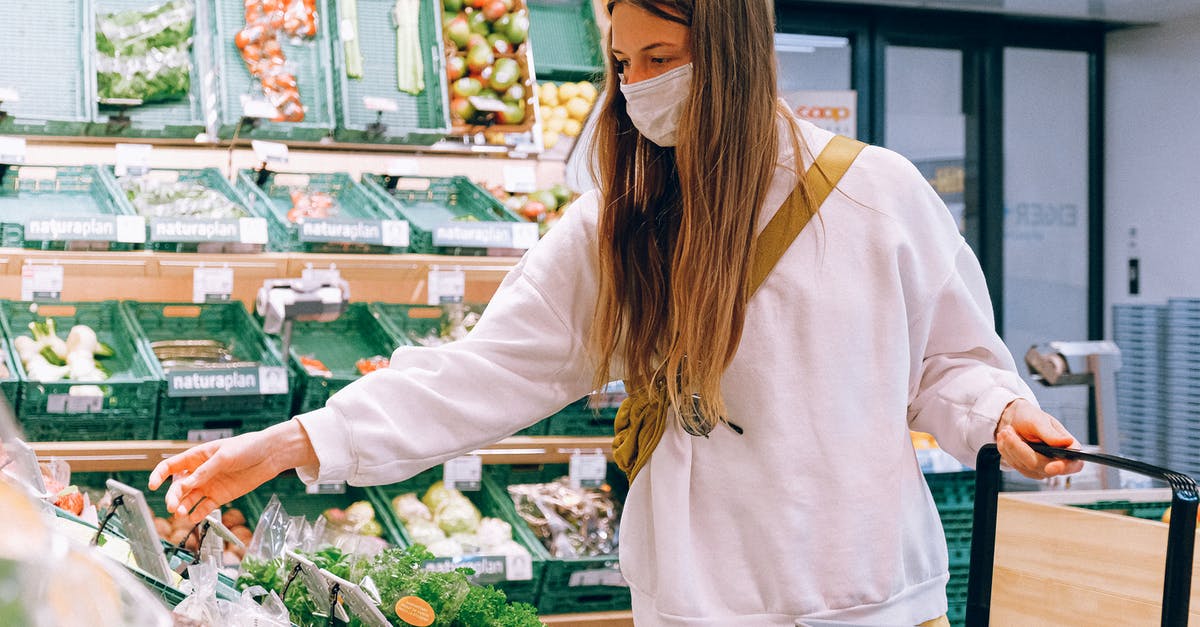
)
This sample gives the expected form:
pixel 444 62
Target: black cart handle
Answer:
pixel 1181 537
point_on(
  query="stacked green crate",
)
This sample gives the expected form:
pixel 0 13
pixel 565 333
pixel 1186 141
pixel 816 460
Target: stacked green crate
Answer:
pixel 179 118
pixel 65 208
pixel 10 386
pixel 565 40
pixel 490 569
pixel 954 495
pixel 252 392
pixel 357 334
pixel 308 60
pixel 592 415
pixel 452 215
pixel 370 106
pixel 581 584
pixel 408 324
pixel 122 407
pixel 185 231
pixel 46 75
pixel 358 222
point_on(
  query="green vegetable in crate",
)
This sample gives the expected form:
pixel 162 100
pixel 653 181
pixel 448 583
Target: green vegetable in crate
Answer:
pixel 453 528
pixel 145 55
pixel 173 199
pixel 410 76
pixel 357 519
pixel 47 358
pixel 349 32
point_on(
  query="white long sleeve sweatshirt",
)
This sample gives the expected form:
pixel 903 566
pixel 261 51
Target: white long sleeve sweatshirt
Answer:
pixel 875 321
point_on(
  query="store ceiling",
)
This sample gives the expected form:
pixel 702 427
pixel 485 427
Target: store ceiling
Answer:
pixel 1125 11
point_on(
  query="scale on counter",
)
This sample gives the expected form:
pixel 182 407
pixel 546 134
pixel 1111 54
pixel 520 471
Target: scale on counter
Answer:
pixel 318 295
pixel 1093 363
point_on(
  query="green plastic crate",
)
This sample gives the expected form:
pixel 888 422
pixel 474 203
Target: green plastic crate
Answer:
pixel 179 119
pixel 431 203
pixel 10 386
pixel 956 595
pixel 43 46
pixel 420 119
pixel 224 322
pixel 517 591
pixel 339 344
pixel 952 491
pixel 297 502
pixel 565 40
pixel 130 401
pixel 581 419
pixel 309 61
pixel 81 195
pixel 400 321
pixel 557 595
pixel 366 221
pixel 231 241
pixel 1143 510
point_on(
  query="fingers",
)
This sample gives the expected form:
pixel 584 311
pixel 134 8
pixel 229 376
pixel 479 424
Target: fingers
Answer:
pixel 202 510
pixel 1038 426
pixel 1028 462
pixel 184 462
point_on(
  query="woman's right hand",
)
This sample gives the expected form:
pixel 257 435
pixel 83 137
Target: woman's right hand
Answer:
pixel 215 473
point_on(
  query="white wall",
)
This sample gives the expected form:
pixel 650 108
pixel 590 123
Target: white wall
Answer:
pixel 1152 161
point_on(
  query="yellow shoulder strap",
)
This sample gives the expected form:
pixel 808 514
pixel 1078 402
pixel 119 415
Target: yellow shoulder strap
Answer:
pixel 822 177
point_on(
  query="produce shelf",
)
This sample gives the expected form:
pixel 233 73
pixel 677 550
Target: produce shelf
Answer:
pixel 46 51
pixel 59 208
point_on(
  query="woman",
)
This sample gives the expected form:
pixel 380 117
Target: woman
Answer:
pixel 781 487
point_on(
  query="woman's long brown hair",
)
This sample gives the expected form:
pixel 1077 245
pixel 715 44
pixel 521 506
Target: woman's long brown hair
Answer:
pixel 677 227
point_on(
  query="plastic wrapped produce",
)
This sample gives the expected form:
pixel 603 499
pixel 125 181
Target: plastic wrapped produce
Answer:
pixel 570 522
pixel 145 55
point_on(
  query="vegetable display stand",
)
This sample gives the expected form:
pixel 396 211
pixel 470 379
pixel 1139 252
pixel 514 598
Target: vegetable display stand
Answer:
pixel 221 374
pixel 307 59
pixel 339 345
pixel 297 500
pixel 65 208
pixel 452 216
pixel 322 213
pixel 581 584
pixel 46 75
pixel 489 569
pixel 371 108
pixel 193 211
pixel 954 495
pixel 406 323
pixel 180 116
pixel 565 40
pixel 1090 567
pixel 120 407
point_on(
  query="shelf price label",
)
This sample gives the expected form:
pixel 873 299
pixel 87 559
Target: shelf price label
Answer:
pixel 41 283
pixel 392 233
pixel 588 470
pixel 194 230
pixel 270 153
pixel 520 179
pixel 598 577
pixel 125 229
pixel 132 159
pixel 227 382
pixel 447 286
pixel 12 150
pixel 252 230
pixel 464 474
pixel 212 285
pixel 489 569
pixel 521 235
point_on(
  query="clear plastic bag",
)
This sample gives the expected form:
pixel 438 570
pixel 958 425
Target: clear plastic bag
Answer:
pixel 145 55
pixel 202 605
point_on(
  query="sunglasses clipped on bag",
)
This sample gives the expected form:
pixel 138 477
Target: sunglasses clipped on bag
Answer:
pixel 693 422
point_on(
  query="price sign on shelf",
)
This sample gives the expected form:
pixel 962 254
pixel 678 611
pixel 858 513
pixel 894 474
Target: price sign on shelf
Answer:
pixel 403 166
pixel 270 153
pixel 12 150
pixel 520 179
pixel 447 286
pixel 133 159
pixel 588 470
pixel 212 285
pixel 464 474
pixel 41 282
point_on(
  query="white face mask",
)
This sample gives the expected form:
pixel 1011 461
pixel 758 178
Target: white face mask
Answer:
pixel 655 104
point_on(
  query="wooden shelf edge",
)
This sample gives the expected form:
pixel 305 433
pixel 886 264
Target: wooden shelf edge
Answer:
pixel 125 455
pixel 594 619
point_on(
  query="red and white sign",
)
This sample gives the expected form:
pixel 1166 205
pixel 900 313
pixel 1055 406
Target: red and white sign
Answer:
pixel 834 110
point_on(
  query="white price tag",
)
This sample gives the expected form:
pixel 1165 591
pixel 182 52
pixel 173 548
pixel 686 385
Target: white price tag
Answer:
pixel 588 470
pixel 252 230
pixel 41 282
pixel 12 150
pixel 597 577
pixel 464 474
pixel 10 95
pixel 520 179
pixel 518 567
pixel 133 159
pixel 74 403
pixel 272 380
pixel 403 166
pixel 270 153
pixel 524 235
pixel 326 488
pixel 382 105
pixel 131 229
pixel 212 285
pixel 447 286
pixel 395 233
pixel 208 435
pixel 256 108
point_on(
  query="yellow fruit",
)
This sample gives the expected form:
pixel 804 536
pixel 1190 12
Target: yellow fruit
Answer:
pixel 559 113
pixel 568 91
pixel 588 92
pixel 555 124
pixel 572 128
pixel 548 94
pixel 550 139
pixel 578 108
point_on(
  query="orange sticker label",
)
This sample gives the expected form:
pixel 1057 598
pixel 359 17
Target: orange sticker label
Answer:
pixel 415 611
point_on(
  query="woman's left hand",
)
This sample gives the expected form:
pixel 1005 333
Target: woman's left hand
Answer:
pixel 1022 421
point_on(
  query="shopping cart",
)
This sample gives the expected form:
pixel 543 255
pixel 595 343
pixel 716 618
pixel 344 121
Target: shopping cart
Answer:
pixel 1181 536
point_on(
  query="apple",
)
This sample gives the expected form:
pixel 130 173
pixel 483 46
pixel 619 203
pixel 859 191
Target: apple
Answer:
pixel 466 87
pixel 512 114
pixel 516 93
pixel 452 5
pixel 462 109
pixel 499 44
pixel 478 23
pixel 518 30
pixel 475 39
pixel 493 10
pixel 506 74
pixel 480 57
pixel 456 67
pixel 533 210
pixel 459 32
